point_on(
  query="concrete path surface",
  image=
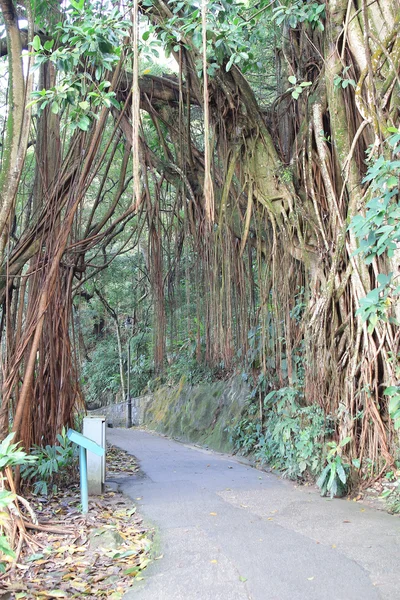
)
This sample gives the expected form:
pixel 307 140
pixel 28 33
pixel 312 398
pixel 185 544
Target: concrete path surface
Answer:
pixel 230 532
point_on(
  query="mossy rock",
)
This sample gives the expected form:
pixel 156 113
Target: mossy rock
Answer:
pixel 200 414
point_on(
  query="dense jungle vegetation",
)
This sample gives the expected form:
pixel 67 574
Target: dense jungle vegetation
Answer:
pixel 216 187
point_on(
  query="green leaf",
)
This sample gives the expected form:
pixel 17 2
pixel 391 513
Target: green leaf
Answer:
pixel 115 102
pixel 322 478
pixel 77 5
pixel 55 109
pixel 292 79
pixel 36 43
pixel 5 547
pixel 341 472
pixel 345 441
pixel 373 320
pixel 391 390
pixel 392 182
pixel 34 557
pixel 84 123
pixel 230 63
pixel 394 404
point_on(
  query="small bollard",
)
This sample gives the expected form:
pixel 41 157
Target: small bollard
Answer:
pixel 84 444
pixel 94 428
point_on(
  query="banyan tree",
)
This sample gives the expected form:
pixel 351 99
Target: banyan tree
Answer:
pixel 259 153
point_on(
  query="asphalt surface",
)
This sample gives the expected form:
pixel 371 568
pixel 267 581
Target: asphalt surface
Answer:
pixel 227 531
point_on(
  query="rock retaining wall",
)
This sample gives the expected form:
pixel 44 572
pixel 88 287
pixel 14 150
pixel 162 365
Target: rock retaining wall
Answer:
pixel 202 414
pixel 117 414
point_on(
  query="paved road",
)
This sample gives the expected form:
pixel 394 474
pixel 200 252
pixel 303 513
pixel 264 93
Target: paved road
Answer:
pixel 230 532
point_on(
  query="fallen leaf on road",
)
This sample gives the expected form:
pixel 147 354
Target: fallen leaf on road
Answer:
pixel 243 578
pixel 310 578
pixel 213 514
pixel 214 562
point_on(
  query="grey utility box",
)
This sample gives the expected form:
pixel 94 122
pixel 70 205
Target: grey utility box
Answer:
pixel 94 428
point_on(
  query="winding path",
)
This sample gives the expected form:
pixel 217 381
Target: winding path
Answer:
pixel 230 532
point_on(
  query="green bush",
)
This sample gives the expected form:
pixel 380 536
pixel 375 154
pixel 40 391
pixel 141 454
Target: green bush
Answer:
pixel 54 465
pixel 292 438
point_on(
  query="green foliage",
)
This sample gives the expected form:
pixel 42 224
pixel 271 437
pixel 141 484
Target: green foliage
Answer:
pixel 379 229
pixel 142 372
pixel 298 87
pixel 6 498
pixel 374 306
pixel 342 80
pixel 183 363
pixel 292 437
pixel 188 367
pixel 100 374
pixel 89 48
pixel 334 476
pixel 11 455
pixel 231 34
pixel 393 393
pixel 392 497
pixel 246 434
pixel 300 12
pixel 53 467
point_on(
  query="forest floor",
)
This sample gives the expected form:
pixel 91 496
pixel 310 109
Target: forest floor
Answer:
pixel 73 556
pixel 227 530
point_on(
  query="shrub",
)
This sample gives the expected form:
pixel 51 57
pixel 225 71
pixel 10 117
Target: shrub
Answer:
pixel 333 479
pixel 53 467
pixel 292 438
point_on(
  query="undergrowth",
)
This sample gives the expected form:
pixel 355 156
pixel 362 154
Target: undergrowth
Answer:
pixel 54 466
pixel 294 439
pixel 291 437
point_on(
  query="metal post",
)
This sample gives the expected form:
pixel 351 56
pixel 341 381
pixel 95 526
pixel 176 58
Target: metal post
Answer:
pixel 84 480
pixel 129 399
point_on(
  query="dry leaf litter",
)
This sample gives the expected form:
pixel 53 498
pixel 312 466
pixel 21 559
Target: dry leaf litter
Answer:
pixel 75 556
